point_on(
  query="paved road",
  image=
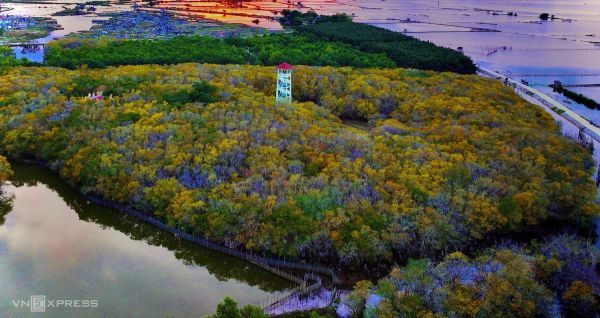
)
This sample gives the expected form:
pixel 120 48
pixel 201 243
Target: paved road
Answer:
pixel 568 114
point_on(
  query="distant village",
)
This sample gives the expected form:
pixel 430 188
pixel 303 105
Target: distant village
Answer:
pixel 18 29
pixel 8 22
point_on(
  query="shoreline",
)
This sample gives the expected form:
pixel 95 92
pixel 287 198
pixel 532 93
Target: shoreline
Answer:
pixel 267 263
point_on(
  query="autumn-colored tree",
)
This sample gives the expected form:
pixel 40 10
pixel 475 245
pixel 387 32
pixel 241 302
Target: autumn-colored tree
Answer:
pixel 364 166
pixel 581 300
pixel 229 309
pixel 5 170
pixel 506 281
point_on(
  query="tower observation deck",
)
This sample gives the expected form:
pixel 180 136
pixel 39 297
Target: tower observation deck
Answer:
pixel 284 83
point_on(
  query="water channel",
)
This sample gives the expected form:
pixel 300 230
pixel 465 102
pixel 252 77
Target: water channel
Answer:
pixel 54 242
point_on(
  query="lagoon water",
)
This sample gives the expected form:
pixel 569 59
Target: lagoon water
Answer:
pixel 53 242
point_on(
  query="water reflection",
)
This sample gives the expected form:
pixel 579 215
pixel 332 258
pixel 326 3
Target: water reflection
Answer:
pixel 34 53
pixel 53 242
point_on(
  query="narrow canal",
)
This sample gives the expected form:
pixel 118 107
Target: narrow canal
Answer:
pixel 55 243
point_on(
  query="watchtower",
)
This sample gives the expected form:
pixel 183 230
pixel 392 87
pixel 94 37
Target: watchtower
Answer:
pixel 284 83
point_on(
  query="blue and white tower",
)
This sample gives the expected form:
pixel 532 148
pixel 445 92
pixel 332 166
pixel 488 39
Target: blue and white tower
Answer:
pixel 284 83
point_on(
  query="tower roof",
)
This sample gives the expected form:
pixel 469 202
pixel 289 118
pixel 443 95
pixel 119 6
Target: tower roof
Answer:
pixel 284 66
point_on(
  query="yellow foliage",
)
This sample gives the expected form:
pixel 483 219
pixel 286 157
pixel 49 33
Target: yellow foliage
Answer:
pixel 5 170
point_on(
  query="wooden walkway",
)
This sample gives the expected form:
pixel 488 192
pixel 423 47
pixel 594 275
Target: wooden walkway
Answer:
pixel 306 285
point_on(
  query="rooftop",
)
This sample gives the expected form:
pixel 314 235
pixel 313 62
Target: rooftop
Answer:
pixel 284 66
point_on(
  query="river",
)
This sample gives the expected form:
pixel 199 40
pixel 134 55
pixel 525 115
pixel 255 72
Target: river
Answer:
pixel 53 242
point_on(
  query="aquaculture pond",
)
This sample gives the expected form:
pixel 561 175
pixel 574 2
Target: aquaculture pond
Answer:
pixel 57 244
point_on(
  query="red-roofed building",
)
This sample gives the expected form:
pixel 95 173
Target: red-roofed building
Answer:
pixel 284 66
